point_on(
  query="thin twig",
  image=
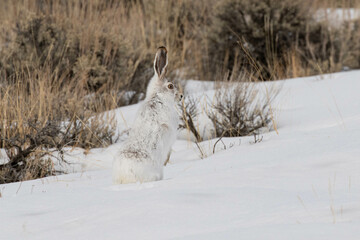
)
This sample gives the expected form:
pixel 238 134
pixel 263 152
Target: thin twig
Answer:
pixel 220 139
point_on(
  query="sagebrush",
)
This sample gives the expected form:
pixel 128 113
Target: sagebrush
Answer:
pixel 238 111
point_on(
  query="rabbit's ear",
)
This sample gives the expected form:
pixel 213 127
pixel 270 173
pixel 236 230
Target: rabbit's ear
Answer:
pixel 161 62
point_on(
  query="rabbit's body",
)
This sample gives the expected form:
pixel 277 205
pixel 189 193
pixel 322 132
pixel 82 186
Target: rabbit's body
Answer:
pixel 142 156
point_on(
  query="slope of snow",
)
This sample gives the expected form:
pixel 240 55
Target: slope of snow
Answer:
pixel 337 16
pixel 302 183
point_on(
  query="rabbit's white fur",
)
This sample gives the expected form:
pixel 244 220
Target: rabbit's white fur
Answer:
pixel 142 156
pixel 152 86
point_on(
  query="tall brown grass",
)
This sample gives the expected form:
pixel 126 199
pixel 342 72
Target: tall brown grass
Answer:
pixel 39 119
pixel 112 42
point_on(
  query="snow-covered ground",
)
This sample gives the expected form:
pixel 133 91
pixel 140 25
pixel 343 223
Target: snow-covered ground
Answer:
pixel 302 183
pixel 337 16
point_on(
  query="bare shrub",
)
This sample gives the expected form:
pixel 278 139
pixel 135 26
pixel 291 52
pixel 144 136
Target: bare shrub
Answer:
pixel 264 29
pixel 88 132
pixel 38 120
pixel 237 110
pixel 27 152
pixel 265 36
pixel 31 153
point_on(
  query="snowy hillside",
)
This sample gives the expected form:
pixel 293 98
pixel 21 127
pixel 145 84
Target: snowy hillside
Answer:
pixel 302 183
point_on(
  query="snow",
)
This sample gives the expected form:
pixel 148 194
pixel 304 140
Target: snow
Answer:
pixel 302 183
pixel 337 16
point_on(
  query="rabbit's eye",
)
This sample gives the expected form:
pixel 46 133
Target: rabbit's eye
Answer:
pixel 170 86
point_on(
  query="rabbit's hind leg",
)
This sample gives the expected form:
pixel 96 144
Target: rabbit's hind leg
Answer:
pixel 128 170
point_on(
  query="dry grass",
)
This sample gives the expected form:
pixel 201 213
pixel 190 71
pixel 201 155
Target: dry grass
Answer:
pixel 38 119
pixel 110 44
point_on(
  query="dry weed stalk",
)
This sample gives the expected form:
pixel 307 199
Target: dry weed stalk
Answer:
pixel 189 114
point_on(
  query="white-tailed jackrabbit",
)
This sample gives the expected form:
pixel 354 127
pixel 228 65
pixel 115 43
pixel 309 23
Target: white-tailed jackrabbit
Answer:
pixel 142 156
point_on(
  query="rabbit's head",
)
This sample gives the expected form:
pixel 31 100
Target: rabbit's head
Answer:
pixel 159 82
pixel 170 90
